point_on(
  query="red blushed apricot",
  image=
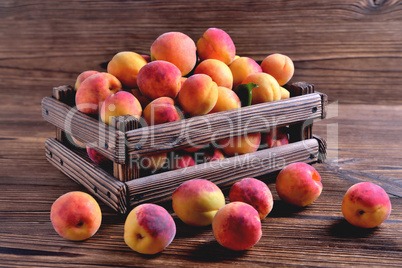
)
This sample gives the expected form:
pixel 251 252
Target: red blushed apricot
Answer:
pixel 237 226
pixel 149 229
pixel 177 48
pixel 366 205
pixel 82 76
pixel 243 67
pixel 217 70
pixel 196 201
pixel 120 103
pixel 227 100
pixel 96 156
pixel 214 155
pixel 93 91
pixel 254 192
pixel 299 184
pixel 159 79
pixel 216 44
pixel 76 216
pixel 182 160
pixel 268 88
pixel 279 66
pixel 274 138
pixel 244 144
pixel 198 94
pixel 161 110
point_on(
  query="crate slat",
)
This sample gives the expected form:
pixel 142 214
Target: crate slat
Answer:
pixel 102 137
pixel 226 171
pixel 212 127
pixel 97 181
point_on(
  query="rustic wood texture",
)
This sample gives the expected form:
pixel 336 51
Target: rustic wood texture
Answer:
pixel 210 128
pixel 350 50
pixel 223 172
pixel 91 131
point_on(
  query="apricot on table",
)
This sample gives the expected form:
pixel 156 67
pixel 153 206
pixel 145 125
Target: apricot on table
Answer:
pixel 253 192
pixel 237 226
pixel 366 205
pixel 196 201
pixel 299 184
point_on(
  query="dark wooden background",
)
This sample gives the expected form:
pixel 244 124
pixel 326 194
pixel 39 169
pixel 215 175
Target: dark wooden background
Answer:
pixel 350 50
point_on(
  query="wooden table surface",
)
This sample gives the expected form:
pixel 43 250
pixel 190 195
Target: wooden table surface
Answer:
pixel 350 50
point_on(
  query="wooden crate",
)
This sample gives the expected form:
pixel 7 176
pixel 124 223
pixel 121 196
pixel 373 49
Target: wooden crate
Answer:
pixel 121 186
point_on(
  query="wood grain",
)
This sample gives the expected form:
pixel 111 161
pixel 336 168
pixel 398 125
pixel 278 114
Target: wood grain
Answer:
pixel 213 127
pixel 350 50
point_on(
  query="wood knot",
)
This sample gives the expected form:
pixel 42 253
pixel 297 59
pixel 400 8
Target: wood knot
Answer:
pixel 377 3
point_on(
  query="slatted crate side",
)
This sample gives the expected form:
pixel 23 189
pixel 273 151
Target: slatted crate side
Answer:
pixel 226 171
pixel 95 179
pixel 104 138
pixel 212 127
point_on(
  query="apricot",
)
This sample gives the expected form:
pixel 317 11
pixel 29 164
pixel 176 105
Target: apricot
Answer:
pixel 159 79
pixel 279 66
pixel 227 100
pixel 215 154
pixel 366 205
pixel 96 156
pixel 253 192
pixel 217 70
pixel 196 201
pixel 216 44
pixel 76 216
pixel 237 226
pixel 144 101
pixel 268 88
pixel 276 137
pixel 125 66
pixel 177 48
pixel 243 67
pixel 120 103
pixel 82 76
pixel 94 90
pixel 299 184
pixel 198 94
pixel 285 94
pixel 241 144
pixel 149 229
pixel 161 110
pixel 182 160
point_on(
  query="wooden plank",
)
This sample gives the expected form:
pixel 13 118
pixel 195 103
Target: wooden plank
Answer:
pixel 97 181
pixel 213 127
pixel 130 169
pixel 224 172
pixel 91 131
